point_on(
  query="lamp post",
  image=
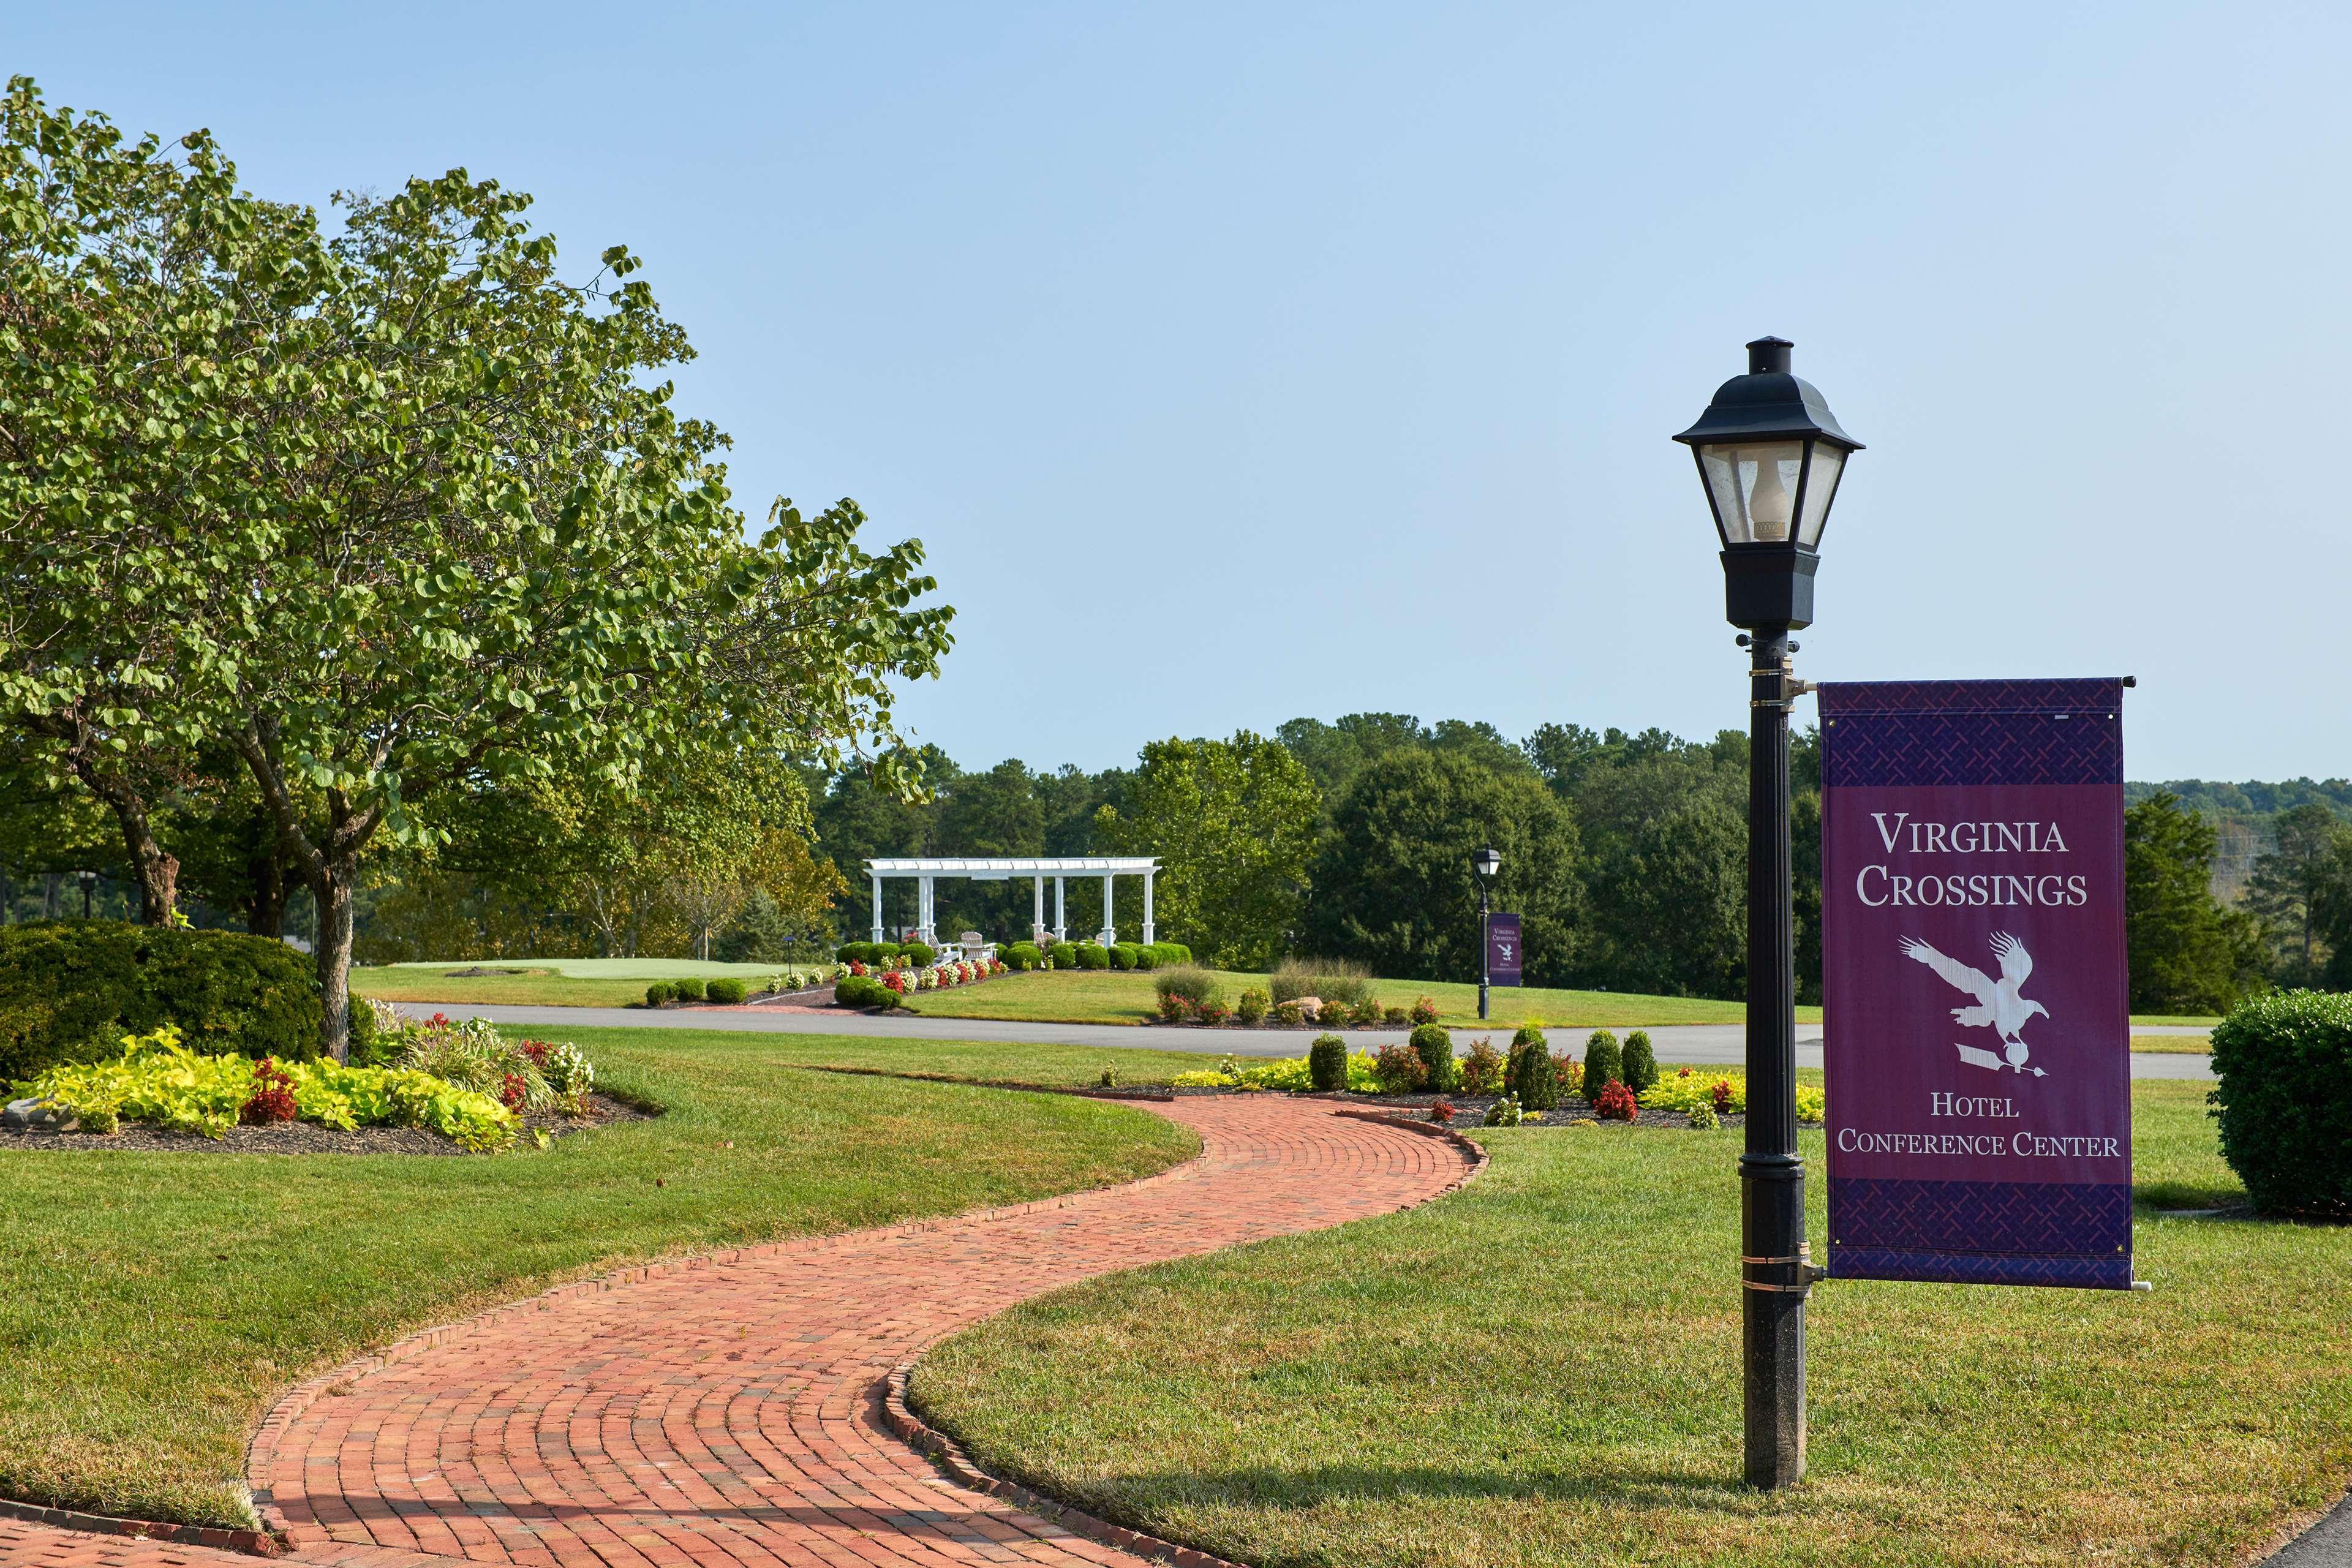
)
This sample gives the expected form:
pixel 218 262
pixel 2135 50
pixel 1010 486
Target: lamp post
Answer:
pixel 1769 455
pixel 89 881
pixel 1486 863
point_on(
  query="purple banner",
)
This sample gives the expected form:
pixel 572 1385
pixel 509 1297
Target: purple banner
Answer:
pixel 1976 1016
pixel 1505 957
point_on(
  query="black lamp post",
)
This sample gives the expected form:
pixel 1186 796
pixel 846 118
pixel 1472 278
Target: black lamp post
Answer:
pixel 89 881
pixel 1486 863
pixel 1771 453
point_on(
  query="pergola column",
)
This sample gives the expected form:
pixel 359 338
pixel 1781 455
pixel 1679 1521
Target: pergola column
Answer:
pixel 923 918
pixel 1147 936
pixel 1037 920
pixel 1110 932
pixel 1061 910
pixel 877 906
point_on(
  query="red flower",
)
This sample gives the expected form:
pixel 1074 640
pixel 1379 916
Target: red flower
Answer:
pixel 273 1095
pixel 1722 1093
pixel 1616 1103
pixel 511 1095
pixel 1442 1112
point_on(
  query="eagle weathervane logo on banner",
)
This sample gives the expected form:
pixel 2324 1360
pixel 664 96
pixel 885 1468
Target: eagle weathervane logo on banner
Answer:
pixel 1975 1008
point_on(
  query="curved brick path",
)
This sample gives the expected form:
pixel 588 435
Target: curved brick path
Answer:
pixel 728 1413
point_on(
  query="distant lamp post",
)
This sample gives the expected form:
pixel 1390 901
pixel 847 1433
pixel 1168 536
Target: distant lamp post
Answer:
pixel 89 881
pixel 1771 455
pixel 1487 863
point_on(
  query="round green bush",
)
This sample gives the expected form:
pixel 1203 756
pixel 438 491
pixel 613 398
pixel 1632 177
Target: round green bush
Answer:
pixel 1172 951
pixel 2283 1099
pixel 658 993
pixel 1022 955
pixel 1122 954
pixel 857 991
pixel 1435 1048
pixel 727 989
pixel 69 990
pixel 1092 955
pixel 854 952
pixel 921 954
pixel 1602 1064
pixel 687 988
pixel 1327 1064
pixel 1530 1074
pixel 1639 1065
pixel 1147 957
pixel 1065 955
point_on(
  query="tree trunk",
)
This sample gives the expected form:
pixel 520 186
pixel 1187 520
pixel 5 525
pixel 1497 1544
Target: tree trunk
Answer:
pixel 159 874
pixel 332 952
pixel 265 905
pixel 52 893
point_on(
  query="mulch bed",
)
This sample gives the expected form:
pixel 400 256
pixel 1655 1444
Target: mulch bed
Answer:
pixel 309 1138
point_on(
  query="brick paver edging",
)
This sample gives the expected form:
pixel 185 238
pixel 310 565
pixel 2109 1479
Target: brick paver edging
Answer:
pixel 252 1542
pixel 262 1451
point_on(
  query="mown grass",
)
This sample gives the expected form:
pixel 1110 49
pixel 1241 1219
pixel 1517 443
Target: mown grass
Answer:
pixel 1543 1370
pixel 155 1302
pixel 2173 1044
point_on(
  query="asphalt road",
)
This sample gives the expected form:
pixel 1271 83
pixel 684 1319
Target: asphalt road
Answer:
pixel 1695 1044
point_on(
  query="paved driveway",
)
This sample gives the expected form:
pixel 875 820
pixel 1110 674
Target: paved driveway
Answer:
pixel 1695 1044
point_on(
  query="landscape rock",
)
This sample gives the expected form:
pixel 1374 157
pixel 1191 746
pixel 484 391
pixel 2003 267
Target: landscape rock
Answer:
pixel 33 1115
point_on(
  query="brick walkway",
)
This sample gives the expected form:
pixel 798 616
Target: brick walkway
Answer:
pixel 727 1414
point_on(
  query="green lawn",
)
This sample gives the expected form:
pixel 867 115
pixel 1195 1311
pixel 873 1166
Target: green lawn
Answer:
pixel 1114 996
pixel 1543 1370
pixel 545 981
pixel 155 1302
pixel 2173 1044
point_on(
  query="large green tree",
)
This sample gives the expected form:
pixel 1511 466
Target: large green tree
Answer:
pixel 2293 888
pixel 1392 885
pixel 2187 952
pixel 1234 824
pixel 423 516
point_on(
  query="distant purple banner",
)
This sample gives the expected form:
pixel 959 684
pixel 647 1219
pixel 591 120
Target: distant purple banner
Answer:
pixel 1505 957
pixel 1976 1018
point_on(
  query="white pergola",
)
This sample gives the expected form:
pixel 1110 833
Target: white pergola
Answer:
pixel 1059 867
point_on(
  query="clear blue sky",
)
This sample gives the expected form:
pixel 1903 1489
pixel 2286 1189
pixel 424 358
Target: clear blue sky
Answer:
pixel 1241 361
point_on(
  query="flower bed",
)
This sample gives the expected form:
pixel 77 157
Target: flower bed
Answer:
pixel 460 1081
pixel 885 985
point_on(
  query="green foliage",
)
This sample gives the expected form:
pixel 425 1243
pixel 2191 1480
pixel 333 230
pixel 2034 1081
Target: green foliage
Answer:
pixel 1092 955
pixel 1531 1077
pixel 756 934
pixel 1146 957
pixel 1122 955
pixel 1234 824
pixel 864 991
pixel 1327 1064
pixel 1665 841
pixel 2187 954
pixel 2284 1099
pixel 1435 1047
pixel 854 952
pixel 724 988
pixel 1193 983
pixel 157 1080
pixel 1638 1063
pixel 1602 1064
pixel 1392 887
pixel 2302 893
pixel 1251 1005
pixel 1331 979
pixel 472 1054
pixel 69 990
pixel 1022 956
pixel 1703 1116
pixel 687 988
pixel 920 954
pixel 1399 1069
pixel 1172 951
pixel 1687 1088
pixel 1483 1069
pixel 1066 955
pixel 1506 1112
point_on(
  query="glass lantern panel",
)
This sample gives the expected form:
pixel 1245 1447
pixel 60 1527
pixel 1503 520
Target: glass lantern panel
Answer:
pixel 1754 489
pixel 1821 490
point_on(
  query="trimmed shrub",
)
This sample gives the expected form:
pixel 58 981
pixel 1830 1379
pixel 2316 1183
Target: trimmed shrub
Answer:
pixel 1638 1065
pixel 1021 955
pixel 1396 1017
pixel 1092 955
pixel 1290 1014
pixel 1482 1069
pixel 1533 1078
pixel 1435 1048
pixel 1424 1011
pixel 361 1047
pixel 1147 957
pixel 1172 952
pixel 1602 1065
pixel 1527 1032
pixel 859 952
pixel 70 990
pixel 1326 1062
pixel 1065 954
pixel 1122 954
pixel 1252 1006
pixel 726 988
pixel 687 988
pixel 921 954
pixel 857 991
pixel 2283 1099
pixel 1399 1070
pixel 658 993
